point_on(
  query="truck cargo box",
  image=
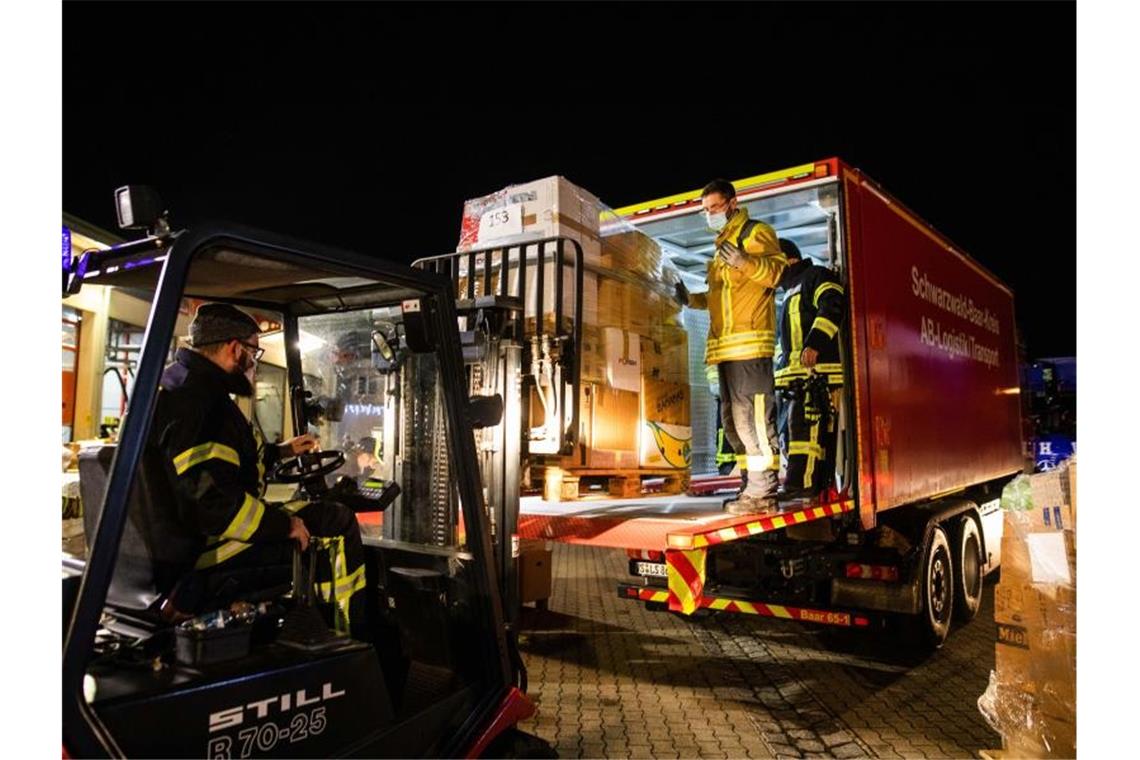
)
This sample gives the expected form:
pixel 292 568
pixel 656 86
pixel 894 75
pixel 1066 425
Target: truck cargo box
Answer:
pixel 934 357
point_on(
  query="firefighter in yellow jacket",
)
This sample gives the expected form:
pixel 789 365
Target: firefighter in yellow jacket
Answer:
pixel 742 277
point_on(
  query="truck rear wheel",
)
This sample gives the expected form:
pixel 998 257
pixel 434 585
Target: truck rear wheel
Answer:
pixel 937 589
pixel 967 569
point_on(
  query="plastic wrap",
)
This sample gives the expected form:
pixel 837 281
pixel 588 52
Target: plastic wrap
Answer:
pixel 634 350
pixel 1031 698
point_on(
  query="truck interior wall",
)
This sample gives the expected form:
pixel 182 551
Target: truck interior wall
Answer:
pixel 935 358
pixel 798 213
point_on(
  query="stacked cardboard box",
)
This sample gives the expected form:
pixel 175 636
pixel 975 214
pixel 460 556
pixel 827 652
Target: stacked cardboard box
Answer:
pixel 1031 699
pixel 634 352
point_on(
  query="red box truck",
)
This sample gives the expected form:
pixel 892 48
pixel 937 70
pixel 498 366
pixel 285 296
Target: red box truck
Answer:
pixel 929 423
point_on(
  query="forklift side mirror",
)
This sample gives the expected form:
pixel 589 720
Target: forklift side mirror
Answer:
pixel 485 411
pixel 381 346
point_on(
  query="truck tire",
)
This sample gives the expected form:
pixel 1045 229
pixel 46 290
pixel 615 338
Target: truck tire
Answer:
pixel 937 589
pixel 967 569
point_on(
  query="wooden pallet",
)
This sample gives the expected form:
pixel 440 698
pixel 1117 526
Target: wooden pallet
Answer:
pixel 561 484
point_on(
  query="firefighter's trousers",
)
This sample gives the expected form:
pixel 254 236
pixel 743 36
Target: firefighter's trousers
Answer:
pixel 231 570
pixel 810 438
pixel 748 411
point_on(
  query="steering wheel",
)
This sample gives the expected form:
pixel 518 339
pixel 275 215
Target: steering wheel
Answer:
pixel 307 467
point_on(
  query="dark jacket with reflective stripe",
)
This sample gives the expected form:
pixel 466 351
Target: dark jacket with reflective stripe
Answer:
pixel 810 316
pixel 211 455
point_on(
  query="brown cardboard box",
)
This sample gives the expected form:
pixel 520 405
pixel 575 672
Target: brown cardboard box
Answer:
pixel 631 251
pixel 1034 681
pixel 665 402
pixel 535 577
pixel 609 429
pixel 665 354
pixel 550 207
pixel 623 358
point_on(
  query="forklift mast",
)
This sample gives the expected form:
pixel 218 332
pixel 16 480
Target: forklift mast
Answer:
pixel 520 324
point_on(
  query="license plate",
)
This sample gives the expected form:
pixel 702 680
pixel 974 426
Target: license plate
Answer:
pixel 656 569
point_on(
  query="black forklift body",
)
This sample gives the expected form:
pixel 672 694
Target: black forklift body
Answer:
pixel 279 701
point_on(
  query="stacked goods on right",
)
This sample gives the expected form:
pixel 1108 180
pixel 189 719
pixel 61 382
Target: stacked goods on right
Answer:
pixel 634 392
pixel 1031 699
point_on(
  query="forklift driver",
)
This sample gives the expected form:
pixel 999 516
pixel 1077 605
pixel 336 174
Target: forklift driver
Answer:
pixel 216 469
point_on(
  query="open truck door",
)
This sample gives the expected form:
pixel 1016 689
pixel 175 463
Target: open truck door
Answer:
pixel 436 676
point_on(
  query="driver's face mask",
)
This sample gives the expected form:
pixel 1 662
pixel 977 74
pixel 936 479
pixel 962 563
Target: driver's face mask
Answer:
pixel 240 379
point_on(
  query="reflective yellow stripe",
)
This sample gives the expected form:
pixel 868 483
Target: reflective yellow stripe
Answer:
pixel 339 591
pixel 742 460
pixel 779 521
pixel 759 273
pixel 205 452
pixel 823 289
pixel 720 604
pixel 759 411
pixel 726 302
pixel 259 439
pixel 825 326
pixel 246 521
pixel 220 554
pixel 295 506
pixel 797 329
pixel 744 337
pixel 810 469
pixel 803 447
pixel 779 611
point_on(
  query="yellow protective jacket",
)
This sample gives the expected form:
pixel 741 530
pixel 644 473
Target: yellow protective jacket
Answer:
pixel 742 302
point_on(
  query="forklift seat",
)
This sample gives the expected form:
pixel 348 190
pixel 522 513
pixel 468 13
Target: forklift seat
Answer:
pixel 155 551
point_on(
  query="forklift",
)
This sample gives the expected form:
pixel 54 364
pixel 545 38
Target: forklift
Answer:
pixel 440 674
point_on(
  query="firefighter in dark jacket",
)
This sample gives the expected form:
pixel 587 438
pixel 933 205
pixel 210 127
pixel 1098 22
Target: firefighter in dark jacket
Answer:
pixel 216 467
pixel 809 375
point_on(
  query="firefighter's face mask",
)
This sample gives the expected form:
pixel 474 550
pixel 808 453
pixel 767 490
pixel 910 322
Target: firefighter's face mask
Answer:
pixel 717 210
pixel 242 376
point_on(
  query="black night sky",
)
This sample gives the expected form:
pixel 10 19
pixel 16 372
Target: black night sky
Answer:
pixel 366 126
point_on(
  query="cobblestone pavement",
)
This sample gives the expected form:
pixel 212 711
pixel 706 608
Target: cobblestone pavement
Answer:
pixel 614 680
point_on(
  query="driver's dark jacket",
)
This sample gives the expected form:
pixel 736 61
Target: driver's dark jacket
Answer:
pixel 213 460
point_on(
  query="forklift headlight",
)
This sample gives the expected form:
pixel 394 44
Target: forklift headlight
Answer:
pixel 138 207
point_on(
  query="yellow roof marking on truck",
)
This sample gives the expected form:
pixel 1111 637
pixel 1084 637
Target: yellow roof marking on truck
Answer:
pixel 741 185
